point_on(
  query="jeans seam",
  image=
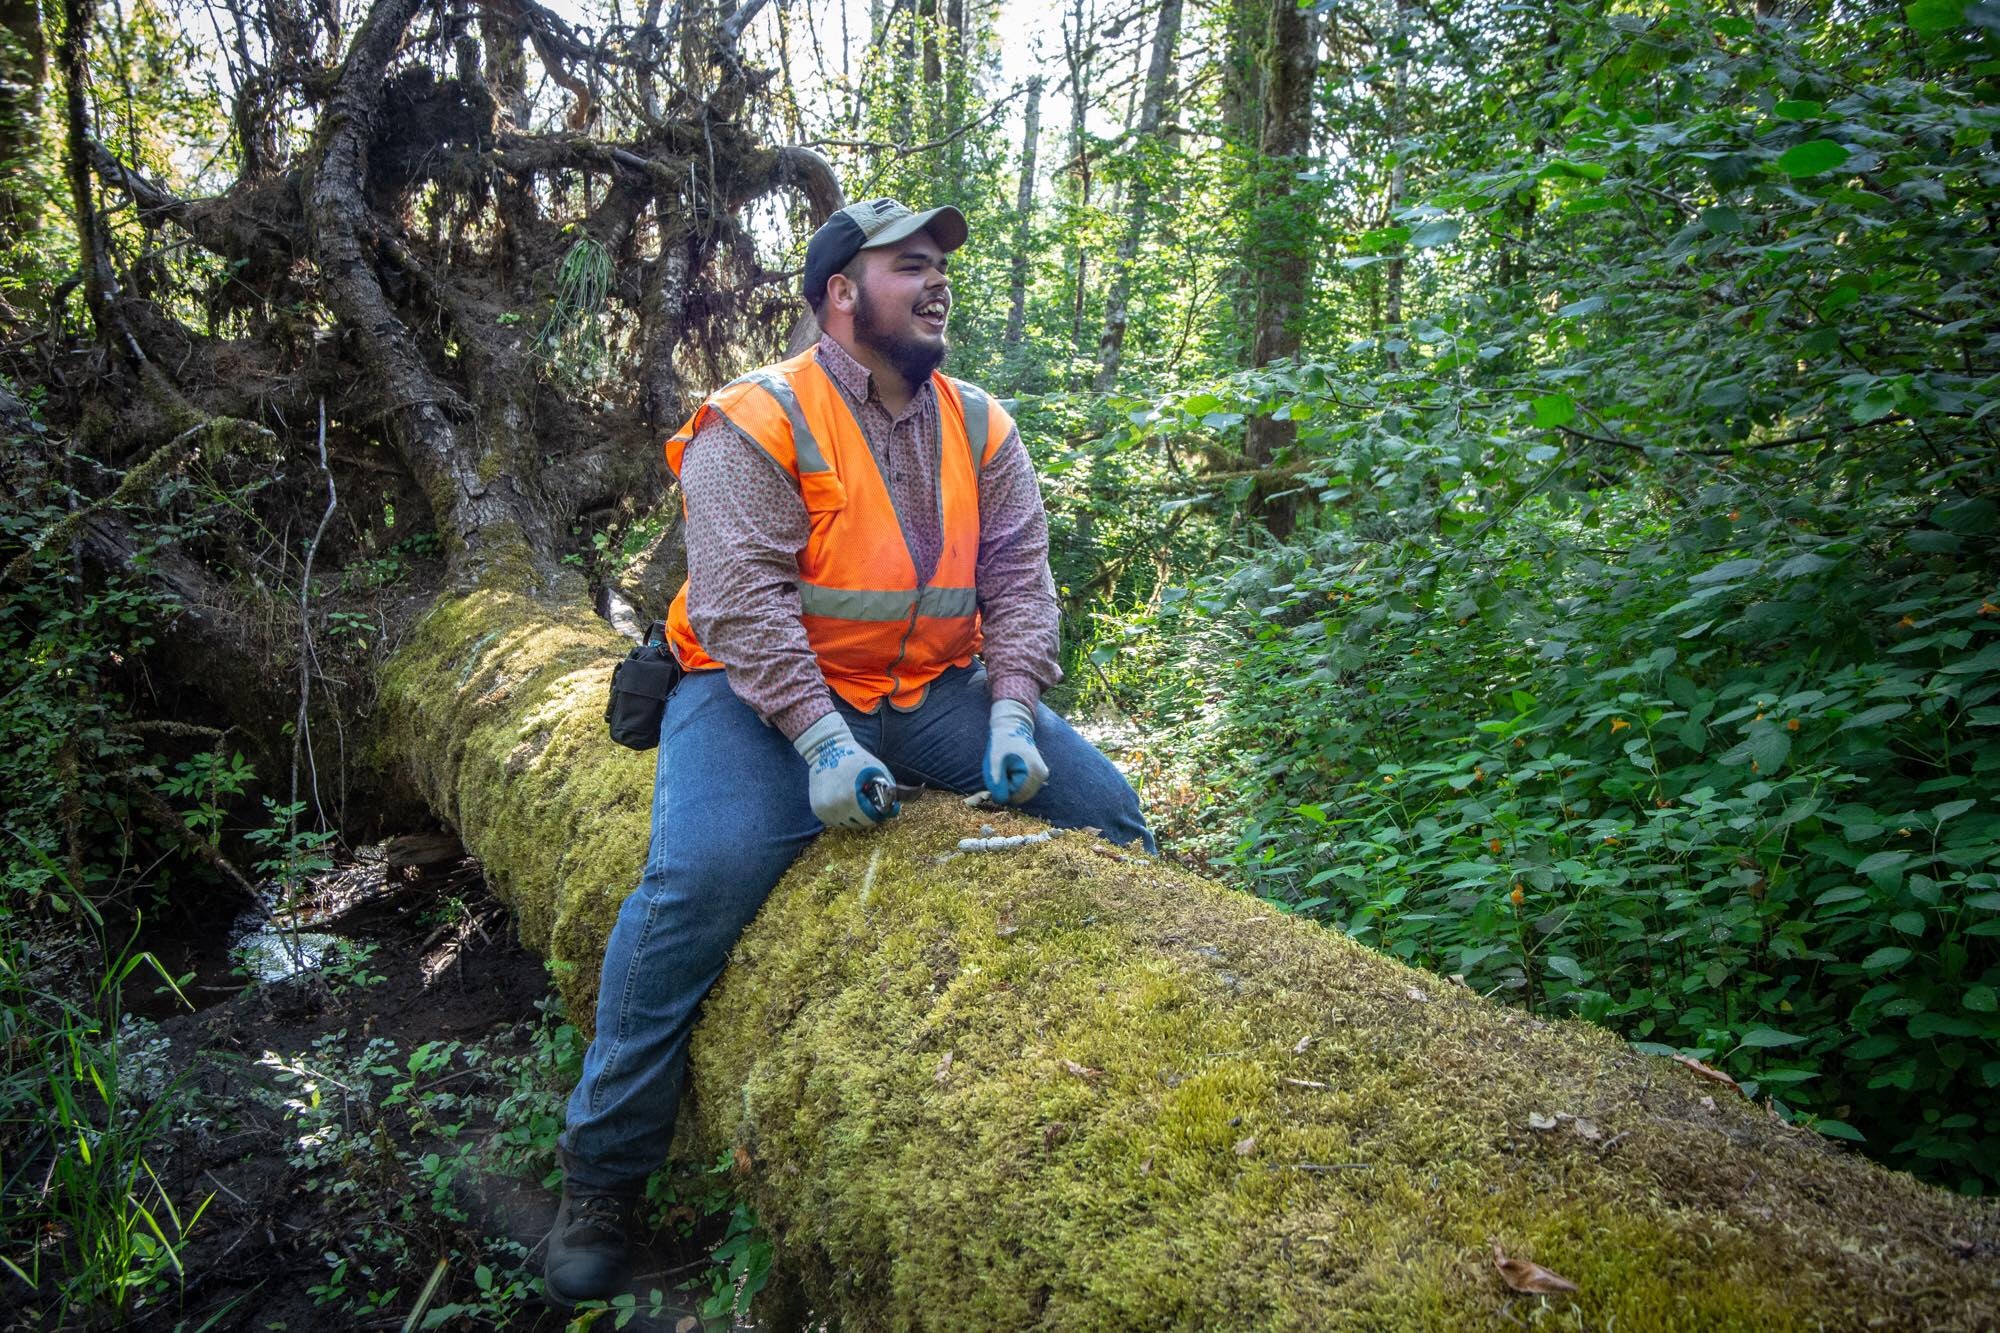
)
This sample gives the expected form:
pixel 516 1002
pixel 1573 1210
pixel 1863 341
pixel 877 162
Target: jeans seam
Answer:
pixel 624 1010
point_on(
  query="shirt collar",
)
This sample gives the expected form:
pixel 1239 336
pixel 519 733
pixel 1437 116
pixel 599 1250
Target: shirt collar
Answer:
pixel 854 377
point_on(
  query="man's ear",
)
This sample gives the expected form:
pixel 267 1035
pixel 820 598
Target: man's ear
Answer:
pixel 842 293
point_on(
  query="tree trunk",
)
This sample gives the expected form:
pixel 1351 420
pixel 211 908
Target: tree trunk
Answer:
pixel 1247 29
pixel 1024 214
pixel 1079 53
pixel 1282 239
pixel 1111 346
pixel 1066 1086
pixel 23 71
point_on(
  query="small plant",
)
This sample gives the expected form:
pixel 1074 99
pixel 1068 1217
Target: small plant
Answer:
pixel 572 340
pixel 91 1226
pixel 209 782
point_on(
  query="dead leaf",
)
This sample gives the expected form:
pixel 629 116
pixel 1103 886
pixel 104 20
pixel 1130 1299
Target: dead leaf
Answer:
pixel 1081 1071
pixel 1526 1275
pixel 1006 928
pixel 1538 1121
pixel 1244 1147
pixel 739 1160
pixel 1146 1167
pixel 1708 1102
pixel 1054 1132
pixel 1419 996
pixel 1304 1042
pixel 1713 1075
pixel 1587 1129
pixel 688 1324
pixel 944 1067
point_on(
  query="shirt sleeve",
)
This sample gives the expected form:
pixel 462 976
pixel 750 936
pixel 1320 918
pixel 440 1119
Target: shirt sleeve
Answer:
pixel 746 525
pixel 1019 615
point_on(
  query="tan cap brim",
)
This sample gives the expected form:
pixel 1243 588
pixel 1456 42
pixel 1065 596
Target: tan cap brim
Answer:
pixel 946 224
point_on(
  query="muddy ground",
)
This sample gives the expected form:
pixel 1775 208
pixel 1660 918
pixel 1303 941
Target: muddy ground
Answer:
pixel 352 1126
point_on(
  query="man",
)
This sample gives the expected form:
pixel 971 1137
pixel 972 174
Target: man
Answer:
pixel 858 526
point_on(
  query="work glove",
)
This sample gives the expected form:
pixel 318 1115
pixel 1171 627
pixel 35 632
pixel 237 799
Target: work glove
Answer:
pixel 849 785
pixel 1015 769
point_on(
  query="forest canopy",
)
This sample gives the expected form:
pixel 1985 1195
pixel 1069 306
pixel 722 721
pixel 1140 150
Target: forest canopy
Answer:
pixel 1523 476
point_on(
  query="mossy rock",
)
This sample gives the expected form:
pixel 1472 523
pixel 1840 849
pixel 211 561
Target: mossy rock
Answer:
pixel 1066 1086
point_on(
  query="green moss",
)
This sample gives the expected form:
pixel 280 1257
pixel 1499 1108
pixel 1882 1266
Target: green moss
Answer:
pixel 1143 1069
pixel 494 707
pixel 1114 1142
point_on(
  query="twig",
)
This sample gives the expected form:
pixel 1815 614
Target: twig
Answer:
pixel 299 730
pixel 226 1190
pixel 906 150
pixel 1329 1166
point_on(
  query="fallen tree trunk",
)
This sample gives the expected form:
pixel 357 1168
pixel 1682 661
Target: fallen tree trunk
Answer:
pixel 1066 1086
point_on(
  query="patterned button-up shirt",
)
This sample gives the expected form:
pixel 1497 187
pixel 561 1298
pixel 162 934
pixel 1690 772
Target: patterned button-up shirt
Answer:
pixel 747 525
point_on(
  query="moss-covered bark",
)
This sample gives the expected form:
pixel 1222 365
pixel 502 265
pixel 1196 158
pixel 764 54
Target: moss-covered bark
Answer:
pixel 1068 1087
pixel 494 707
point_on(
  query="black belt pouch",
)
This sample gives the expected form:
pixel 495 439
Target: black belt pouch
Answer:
pixel 639 689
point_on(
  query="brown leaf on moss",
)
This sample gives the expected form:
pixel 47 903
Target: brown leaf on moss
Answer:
pixel 1526 1275
pixel 1416 993
pixel 944 1067
pixel 739 1161
pixel 1708 1072
pixel 1304 1042
pixel 1538 1121
pixel 1587 1129
pixel 1081 1071
pixel 1244 1147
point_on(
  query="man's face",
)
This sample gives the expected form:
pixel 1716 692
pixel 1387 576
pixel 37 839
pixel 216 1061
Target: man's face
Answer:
pixel 903 301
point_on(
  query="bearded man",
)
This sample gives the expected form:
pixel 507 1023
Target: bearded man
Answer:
pixel 868 604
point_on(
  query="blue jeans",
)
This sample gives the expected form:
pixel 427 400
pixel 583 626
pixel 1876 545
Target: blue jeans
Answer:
pixel 730 814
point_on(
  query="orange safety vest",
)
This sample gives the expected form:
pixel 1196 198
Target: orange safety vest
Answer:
pixel 878 633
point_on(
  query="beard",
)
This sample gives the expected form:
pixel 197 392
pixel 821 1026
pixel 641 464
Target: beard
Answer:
pixel 887 334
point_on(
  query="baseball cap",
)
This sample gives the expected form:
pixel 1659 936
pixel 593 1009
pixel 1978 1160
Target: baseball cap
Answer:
pixel 865 226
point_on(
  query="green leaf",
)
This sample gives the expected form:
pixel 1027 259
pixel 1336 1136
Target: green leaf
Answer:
pixel 1728 569
pixel 1442 231
pixel 1800 110
pixel 1881 861
pixel 1910 923
pixel 1769 748
pixel 1762 1038
pixel 1807 563
pixel 1872 716
pixel 1929 17
pixel 1987 659
pixel 1839 1129
pixel 1893 956
pixel 1555 409
pixel 1812 157
pixel 1981 1000
pixel 1589 305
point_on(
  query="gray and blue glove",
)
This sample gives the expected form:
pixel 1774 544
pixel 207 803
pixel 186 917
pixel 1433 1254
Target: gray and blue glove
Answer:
pixel 1014 769
pixel 845 778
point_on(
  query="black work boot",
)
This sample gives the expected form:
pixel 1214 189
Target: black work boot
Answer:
pixel 589 1245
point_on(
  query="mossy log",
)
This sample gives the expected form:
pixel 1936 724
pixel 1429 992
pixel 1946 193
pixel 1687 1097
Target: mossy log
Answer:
pixel 1066 1086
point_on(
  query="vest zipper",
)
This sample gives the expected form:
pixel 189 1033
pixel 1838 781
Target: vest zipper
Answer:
pixel 923 585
